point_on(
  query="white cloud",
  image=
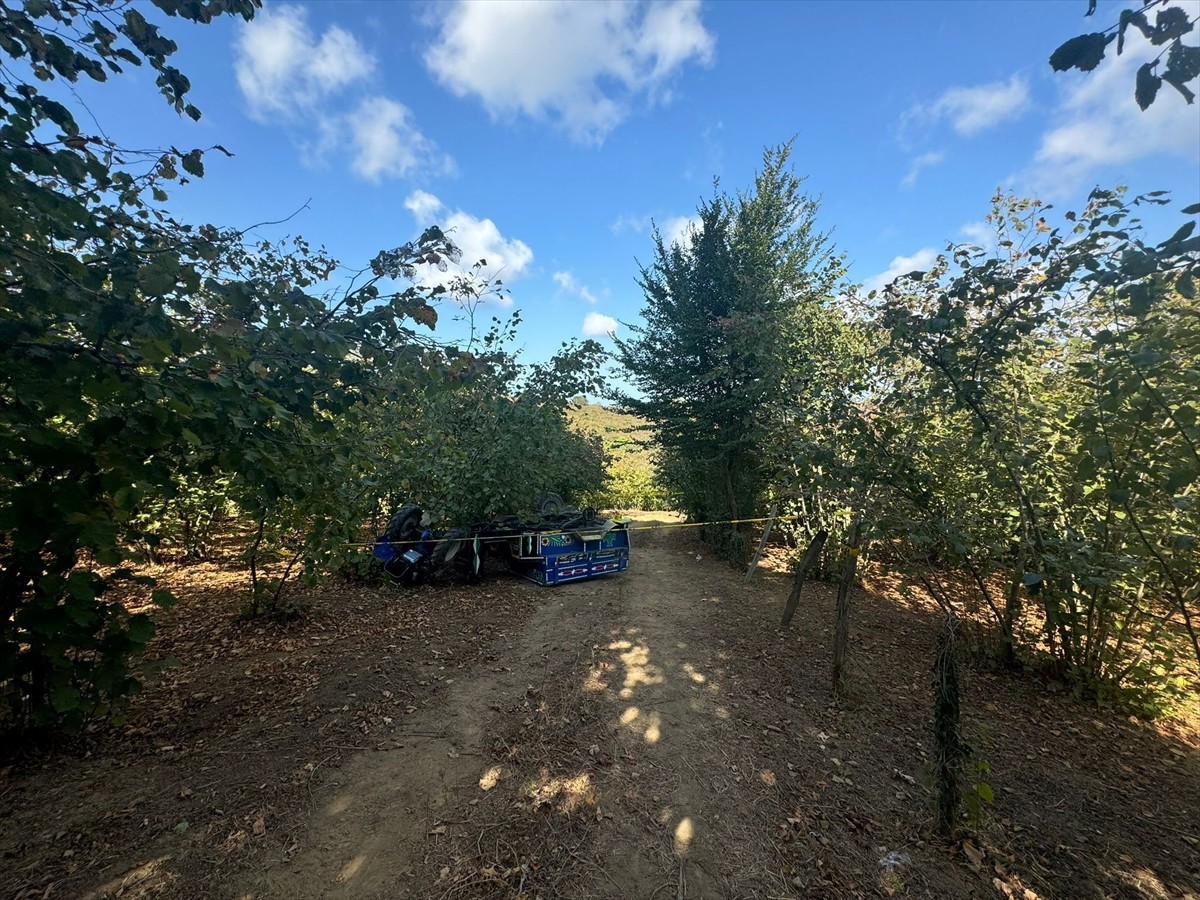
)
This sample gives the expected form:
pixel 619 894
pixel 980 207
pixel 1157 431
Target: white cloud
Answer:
pixel 981 234
pixel 289 75
pixel 423 205
pixel 568 284
pixel 385 142
pixel 599 325
pixel 282 68
pixel 924 161
pixel 579 65
pixel 676 230
pixel 922 260
pixel 971 110
pixel 631 223
pixel 1099 123
pixel 479 239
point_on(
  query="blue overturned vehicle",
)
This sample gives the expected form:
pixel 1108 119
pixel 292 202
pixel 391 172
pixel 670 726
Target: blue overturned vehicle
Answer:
pixel 557 544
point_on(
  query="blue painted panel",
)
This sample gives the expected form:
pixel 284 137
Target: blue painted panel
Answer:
pixel 558 557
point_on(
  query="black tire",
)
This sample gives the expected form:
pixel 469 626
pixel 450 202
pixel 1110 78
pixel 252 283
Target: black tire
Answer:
pixel 452 553
pixel 405 524
pixel 549 505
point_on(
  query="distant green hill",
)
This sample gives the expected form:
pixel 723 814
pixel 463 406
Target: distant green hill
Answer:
pixel 623 434
pixel 632 474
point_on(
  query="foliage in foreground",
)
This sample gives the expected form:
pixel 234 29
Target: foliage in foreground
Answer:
pixel 1038 430
pixel 158 377
pixel 1171 23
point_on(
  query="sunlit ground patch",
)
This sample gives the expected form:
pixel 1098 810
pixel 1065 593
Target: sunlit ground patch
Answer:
pixel 638 670
pixel 648 725
pixel 1144 880
pixel 683 836
pixel 152 874
pixel 595 683
pixel 352 868
pixel 566 793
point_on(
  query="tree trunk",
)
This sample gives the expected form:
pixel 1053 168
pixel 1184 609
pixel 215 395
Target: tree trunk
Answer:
pixel 841 631
pixel 947 740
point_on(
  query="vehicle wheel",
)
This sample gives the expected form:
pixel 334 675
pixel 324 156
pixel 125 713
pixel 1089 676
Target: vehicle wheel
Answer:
pixel 549 505
pixel 405 524
pixel 452 552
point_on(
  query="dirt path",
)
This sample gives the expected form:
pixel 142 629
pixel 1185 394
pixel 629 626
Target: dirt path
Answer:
pixel 604 717
pixel 650 736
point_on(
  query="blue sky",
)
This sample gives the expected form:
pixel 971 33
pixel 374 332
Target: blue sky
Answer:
pixel 549 135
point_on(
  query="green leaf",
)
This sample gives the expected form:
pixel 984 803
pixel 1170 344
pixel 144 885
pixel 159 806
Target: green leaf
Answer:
pixel 1170 23
pixel 985 792
pixel 1146 86
pixel 1135 18
pixel 1179 478
pixel 1185 414
pixel 1183 65
pixel 425 315
pixel 139 628
pixel 192 163
pixel 1083 52
pixel 1180 235
pixel 163 598
pixel 65 697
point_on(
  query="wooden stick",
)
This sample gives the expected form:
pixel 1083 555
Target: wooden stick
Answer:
pixel 841 631
pixel 762 543
pixel 810 556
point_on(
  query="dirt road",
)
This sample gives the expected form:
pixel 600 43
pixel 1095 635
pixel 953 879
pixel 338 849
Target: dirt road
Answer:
pixel 650 736
pixel 602 742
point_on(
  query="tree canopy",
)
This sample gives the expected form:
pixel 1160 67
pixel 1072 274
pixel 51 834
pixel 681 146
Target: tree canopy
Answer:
pixel 156 374
pixel 735 316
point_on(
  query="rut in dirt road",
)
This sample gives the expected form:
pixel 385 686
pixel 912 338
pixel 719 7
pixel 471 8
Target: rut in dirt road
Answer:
pixel 595 757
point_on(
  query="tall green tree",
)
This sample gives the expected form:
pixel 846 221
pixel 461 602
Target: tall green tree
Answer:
pixel 729 323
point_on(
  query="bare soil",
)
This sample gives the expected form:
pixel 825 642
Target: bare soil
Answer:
pixel 653 735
